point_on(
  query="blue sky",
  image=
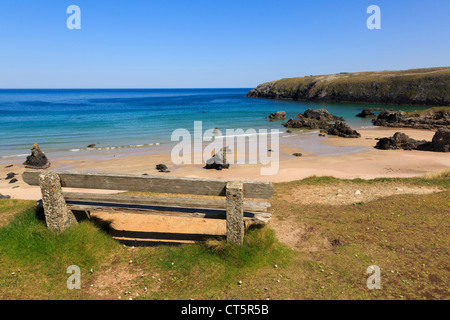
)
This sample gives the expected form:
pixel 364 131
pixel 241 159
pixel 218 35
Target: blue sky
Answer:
pixel 212 44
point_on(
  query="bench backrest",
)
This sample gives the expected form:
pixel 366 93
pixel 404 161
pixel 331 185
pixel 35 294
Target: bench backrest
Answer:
pixel 143 183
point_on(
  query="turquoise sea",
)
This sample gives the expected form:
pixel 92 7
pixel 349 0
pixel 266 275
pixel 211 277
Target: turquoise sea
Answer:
pixel 72 119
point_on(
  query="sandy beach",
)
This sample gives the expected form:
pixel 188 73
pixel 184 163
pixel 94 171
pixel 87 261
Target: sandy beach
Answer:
pixel 331 156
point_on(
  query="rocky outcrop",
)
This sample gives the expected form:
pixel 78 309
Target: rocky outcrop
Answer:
pixel 320 119
pixel 433 118
pixel 440 142
pixel 399 141
pixel 341 129
pixel 366 113
pixel 313 119
pixel 306 124
pixel 37 159
pixel 407 87
pixel 320 114
pixel 279 115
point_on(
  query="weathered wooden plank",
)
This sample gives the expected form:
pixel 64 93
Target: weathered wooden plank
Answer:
pixel 176 185
pixel 249 216
pixel 251 206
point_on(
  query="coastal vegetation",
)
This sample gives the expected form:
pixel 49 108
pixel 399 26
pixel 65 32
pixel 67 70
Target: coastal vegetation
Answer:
pixel 407 87
pixel 311 250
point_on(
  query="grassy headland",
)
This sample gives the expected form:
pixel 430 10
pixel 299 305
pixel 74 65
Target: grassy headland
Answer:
pixel 408 87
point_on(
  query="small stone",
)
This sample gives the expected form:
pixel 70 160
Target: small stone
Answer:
pixel 239 282
pixel 276 266
pixel 357 192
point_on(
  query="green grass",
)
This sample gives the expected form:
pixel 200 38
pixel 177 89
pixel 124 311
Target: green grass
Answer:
pixel 405 235
pixel 440 179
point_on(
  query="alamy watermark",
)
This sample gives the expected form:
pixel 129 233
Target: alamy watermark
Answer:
pixel 374 281
pixel 74 20
pixel 374 21
pixel 74 281
pixel 249 146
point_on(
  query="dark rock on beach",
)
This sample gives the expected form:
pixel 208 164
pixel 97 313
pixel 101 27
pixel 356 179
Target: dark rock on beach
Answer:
pixel 162 168
pixel 297 154
pixel 4 197
pixel 341 129
pixel 398 141
pixel 440 142
pixel 37 159
pixel 13 180
pixel 91 145
pixel 10 175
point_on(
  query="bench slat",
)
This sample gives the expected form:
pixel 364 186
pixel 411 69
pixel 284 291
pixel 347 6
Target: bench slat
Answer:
pixel 251 206
pixel 248 216
pixel 175 185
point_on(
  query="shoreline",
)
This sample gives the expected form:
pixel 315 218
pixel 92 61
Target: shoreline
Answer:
pixel 344 158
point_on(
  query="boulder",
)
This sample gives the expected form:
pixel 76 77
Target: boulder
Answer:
pixel 341 129
pixel 279 115
pixel 13 180
pixel 366 113
pixel 297 154
pixel 91 145
pixel 441 140
pixel 4 197
pixel 37 159
pixel 439 143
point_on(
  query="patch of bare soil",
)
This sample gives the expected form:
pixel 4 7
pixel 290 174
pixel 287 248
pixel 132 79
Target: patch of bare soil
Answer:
pixel 300 236
pixel 120 280
pixel 305 238
pixel 350 194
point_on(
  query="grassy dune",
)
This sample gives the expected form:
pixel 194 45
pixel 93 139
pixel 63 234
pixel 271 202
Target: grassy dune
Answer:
pixel 405 235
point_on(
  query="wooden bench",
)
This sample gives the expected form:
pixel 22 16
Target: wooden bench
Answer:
pixel 239 213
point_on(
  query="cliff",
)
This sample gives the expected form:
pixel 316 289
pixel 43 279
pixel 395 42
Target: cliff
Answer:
pixel 408 87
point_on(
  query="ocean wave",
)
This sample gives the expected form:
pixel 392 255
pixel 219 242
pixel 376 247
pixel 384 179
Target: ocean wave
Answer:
pixel 117 147
pixel 13 156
